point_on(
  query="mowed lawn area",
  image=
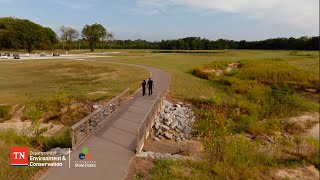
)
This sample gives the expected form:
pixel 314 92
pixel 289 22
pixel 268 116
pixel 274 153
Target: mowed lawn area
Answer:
pixel 38 84
pixel 24 81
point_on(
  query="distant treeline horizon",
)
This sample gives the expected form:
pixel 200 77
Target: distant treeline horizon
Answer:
pixel 198 43
pixel 18 34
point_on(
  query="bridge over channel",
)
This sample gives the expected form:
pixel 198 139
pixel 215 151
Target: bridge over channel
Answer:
pixel 113 142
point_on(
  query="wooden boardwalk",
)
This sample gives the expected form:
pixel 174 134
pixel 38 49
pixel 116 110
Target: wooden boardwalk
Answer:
pixel 114 143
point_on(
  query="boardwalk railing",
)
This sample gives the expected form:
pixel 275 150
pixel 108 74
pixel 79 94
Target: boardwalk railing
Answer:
pixel 145 127
pixel 84 128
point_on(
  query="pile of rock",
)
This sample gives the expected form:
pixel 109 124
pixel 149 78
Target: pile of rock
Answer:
pixel 157 155
pixel 174 122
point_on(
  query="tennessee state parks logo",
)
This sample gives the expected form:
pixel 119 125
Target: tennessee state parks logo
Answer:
pixel 19 156
pixel 85 154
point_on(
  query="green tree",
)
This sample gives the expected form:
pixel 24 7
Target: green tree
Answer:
pixel 49 38
pixel 23 34
pixel 93 34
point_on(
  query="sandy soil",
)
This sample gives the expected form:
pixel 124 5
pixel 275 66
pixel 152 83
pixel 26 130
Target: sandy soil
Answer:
pixel 232 67
pixel 185 148
pixel 23 127
pixel 314 131
pixel 299 173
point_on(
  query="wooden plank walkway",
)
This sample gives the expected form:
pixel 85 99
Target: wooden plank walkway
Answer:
pixel 114 144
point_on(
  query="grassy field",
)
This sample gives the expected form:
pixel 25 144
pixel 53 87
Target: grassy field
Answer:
pixel 272 76
pixel 268 87
pixel 181 67
pixel 46 87
pixel 23 81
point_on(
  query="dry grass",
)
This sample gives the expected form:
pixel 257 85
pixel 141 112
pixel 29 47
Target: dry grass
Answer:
pixel 139 168
pixel 24 81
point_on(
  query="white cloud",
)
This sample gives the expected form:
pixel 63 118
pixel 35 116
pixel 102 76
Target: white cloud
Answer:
pixel 76 4
pixel 297 13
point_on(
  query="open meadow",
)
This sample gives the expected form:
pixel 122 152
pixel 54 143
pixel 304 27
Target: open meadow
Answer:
pixel 23 81
pixel 58 92
pixel 245 102
pixel 242 99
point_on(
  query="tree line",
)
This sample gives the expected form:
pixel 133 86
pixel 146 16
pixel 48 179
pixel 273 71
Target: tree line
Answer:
pixel 23 34
pixel 197 43
pixel 19 34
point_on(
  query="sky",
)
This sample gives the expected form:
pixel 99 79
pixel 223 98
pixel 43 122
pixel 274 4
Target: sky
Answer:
pixel 155 20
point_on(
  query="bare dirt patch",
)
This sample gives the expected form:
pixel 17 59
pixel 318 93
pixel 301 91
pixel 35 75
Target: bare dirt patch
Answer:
pixel 139 168
pixel 232 66
pixel 307 123
pixel 17 113
pixel 186 148
pixel 25 128
pixel 314 132
pixel 301 173
pixel 217 72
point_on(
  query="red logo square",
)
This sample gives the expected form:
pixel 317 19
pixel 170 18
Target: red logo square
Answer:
pixel 19 156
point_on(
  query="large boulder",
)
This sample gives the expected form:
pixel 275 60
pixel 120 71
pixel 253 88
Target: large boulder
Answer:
pixel 187 130
pixel 168 135
pixel 164 127
pixel 174 123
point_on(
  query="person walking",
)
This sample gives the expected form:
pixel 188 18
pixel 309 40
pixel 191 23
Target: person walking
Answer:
pixel 144 83
pixel 150 86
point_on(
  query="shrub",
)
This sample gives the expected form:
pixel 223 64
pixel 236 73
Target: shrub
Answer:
pixel 5 112
pixel 233 157
pixel 139 176
pixel 34 110
pixel 265 127
pixel 294 127
pixel 11 137
pixel 202 72
pixel 62 140
pixel 210 122
pixel 245 122
pixel 282 102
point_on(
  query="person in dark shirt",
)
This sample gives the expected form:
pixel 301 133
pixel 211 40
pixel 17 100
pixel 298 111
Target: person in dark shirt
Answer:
pixel 144 83
pixel 150 86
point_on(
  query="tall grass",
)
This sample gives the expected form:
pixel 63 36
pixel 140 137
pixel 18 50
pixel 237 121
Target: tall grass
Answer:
pixel 236 103
pixel 179 169
pixel 273 72
pixel 258 98
pixel 62 140
pixel 10 139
